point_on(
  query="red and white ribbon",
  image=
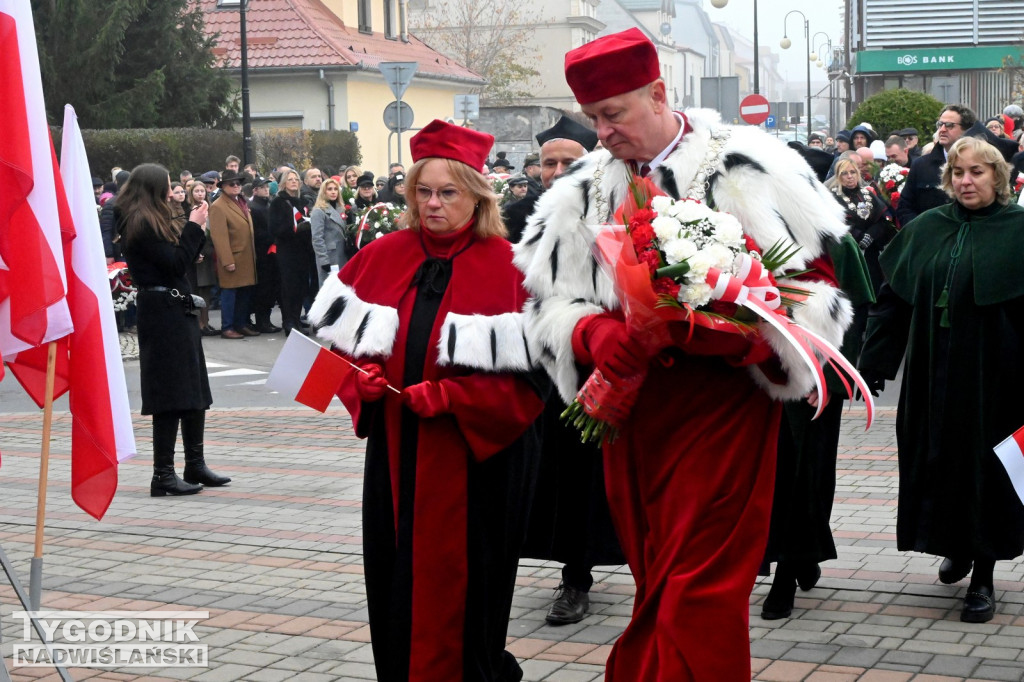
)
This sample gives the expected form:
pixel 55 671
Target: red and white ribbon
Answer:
pixel 362 223
pixel 752 289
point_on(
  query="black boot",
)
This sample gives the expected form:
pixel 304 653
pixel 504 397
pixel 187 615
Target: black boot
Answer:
pixel 980 600
pixel 192 426
pixel 165 481
pixel 779 602
pixel 196 470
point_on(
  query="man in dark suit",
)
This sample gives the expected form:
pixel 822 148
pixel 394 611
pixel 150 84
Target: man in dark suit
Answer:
pixel 921 191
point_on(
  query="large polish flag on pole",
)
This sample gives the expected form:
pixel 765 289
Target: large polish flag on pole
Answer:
pixel 33 309
pixel 101 428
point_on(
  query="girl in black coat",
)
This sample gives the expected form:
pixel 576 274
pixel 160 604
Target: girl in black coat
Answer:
pixel 159 248
pixel 296 260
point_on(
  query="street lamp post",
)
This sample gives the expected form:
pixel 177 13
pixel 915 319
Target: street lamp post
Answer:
pixel 719 4
pixel 242 6
pixel 786 42
pixel 825 63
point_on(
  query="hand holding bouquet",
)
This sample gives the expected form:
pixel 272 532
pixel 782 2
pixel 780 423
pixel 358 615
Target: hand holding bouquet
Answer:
pixel 678 261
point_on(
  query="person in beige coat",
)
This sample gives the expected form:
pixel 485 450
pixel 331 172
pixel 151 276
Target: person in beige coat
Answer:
pixel 231 232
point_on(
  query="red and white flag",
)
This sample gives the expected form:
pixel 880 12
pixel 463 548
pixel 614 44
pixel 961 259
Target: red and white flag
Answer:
pixel 1011 453
pixel 307 372
pixel 33 309
pixel 101 428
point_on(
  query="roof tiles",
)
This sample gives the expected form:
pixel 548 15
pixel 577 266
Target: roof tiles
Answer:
pixel 304 33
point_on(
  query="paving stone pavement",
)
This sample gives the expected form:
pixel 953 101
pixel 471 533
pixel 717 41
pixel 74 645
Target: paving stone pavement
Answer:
pixel 275 560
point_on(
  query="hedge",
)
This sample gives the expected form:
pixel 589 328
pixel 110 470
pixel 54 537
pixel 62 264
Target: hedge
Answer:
pixel 201 149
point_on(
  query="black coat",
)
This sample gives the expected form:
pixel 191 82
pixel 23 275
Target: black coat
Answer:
pixel 516 215
pixel 921 191
pixel 171 361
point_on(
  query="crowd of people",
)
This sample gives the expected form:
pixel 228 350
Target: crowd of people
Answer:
pixel 475 323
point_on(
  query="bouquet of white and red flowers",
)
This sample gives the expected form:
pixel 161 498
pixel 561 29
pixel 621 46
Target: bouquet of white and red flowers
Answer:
pixel 890 182
pixel 376 221
pixel 679 261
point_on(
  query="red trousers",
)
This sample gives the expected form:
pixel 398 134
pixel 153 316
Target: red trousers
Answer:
pixel 689 483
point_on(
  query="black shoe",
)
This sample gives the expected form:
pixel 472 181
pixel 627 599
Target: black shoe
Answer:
pixel 807 576
pixel 779 602
pixel 168 483
pixel 979 605
pixel 267 328
pixel 209 331
pixel 954 570
pixel 570 606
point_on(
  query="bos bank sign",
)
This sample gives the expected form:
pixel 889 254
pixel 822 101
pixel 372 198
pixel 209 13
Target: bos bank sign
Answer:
pixel 934 59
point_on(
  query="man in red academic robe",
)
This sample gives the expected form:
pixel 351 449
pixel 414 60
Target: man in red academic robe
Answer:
pixel 689 479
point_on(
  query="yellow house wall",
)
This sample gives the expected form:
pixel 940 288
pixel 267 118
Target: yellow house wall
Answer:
pixel 358 97
pixel 367 96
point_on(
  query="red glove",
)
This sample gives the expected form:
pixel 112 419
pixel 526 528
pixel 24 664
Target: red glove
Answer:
pixel 371 385
pixel 427 399
pixel 614 351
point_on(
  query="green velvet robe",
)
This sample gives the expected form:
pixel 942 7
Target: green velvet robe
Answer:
pixel 961 392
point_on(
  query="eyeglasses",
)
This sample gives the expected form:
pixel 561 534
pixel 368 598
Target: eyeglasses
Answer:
pixel 939 125
pixel 445 196
pixel 232 183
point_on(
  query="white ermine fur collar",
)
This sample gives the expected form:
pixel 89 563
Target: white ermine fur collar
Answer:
pixel 766 185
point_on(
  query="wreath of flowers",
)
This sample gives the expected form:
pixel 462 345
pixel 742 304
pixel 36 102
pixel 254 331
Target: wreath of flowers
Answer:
pixel 376 221
pixel 122 290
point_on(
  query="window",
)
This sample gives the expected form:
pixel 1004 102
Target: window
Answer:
pixel 390 19
pixel 365 17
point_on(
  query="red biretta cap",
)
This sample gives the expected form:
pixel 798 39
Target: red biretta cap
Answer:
pixel 612 65
pixel 446 141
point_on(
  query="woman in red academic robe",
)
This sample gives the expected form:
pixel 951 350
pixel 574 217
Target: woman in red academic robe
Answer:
pixel 434 310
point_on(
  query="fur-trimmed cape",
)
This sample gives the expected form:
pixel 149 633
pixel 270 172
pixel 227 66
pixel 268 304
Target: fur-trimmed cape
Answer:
pixel 737 169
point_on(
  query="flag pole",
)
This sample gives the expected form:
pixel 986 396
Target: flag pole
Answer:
pixel 35 586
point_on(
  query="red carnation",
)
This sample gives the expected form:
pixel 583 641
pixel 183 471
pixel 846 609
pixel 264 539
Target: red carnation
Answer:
pixel 665 286
pixel 651 258
pixel 643 215
pixel 642 235
pixel 889 184
pixel 751 245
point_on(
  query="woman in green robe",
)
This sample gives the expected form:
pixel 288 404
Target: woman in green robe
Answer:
pixel 954 301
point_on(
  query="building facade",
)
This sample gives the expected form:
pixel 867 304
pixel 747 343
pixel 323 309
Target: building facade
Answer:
pixel 952 49
pixel 314 64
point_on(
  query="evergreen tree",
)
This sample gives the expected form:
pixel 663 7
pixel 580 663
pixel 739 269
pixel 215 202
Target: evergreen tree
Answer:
pixel 131 64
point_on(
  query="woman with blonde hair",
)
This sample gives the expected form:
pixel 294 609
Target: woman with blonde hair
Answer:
pixel 954 302
pixel 328 228
pixel 435 311
pixel 351 176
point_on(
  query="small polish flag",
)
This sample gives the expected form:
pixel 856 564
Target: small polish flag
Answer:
pixel 307 371
pixel 1011 453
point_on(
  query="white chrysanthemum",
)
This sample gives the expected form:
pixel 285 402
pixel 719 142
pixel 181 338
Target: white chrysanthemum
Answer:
pixel 689 211
pixel 728 230
pixel 696 294
pixel 678 250
pixel 665 228
pixel 661 204
pixel 376 225
pixel 378 235
pixel 723 255
pixel 700 263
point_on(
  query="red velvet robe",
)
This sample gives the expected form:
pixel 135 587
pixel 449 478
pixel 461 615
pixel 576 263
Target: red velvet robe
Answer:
pixel 690 482
pixel 445 499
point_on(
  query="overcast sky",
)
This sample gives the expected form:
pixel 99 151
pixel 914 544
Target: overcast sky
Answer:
pixel 824 15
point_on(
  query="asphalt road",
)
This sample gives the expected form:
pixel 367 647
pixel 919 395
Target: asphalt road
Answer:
pixel 237 370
